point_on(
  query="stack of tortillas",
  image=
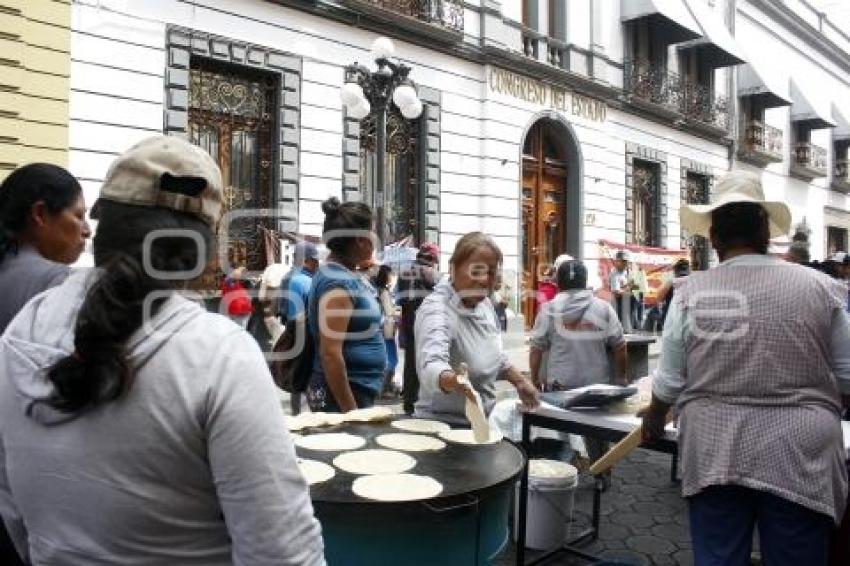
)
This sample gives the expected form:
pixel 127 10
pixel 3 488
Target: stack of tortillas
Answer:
pixel 424 426
pixel 313 420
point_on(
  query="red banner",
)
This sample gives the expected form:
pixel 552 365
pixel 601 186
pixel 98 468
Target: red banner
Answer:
pixel 649 267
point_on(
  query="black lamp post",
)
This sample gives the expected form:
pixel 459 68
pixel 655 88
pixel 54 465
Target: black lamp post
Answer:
pixel 368 91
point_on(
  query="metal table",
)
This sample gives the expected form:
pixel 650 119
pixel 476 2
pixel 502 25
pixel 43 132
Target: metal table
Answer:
pixel 594 423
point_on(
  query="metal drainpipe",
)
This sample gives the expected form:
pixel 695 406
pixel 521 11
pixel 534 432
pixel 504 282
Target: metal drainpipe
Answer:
pixel 731 87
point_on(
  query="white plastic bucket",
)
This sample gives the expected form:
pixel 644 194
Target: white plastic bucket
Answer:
pixel 550 503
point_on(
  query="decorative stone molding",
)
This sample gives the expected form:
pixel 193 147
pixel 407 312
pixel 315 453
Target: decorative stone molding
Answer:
pixel 182 44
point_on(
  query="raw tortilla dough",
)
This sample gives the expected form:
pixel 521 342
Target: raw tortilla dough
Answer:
pixel 331 441
pixel 421 425
pixel 466 436
pixel 370 414
pixel 396 487
pixel 315 472
pixel 374 462
pixel 409 442
pixel 310 420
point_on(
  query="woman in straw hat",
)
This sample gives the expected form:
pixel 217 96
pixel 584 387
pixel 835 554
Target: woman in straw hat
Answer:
pixel 756 355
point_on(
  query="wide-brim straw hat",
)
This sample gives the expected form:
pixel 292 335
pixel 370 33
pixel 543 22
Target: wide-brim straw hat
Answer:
pixel 735 187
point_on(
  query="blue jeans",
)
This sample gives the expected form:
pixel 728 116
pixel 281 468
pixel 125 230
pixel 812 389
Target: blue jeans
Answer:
pixel 392 355
pixel 320 398
pixel 723 518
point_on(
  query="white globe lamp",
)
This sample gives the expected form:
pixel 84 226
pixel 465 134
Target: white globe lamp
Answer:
pixel 382 48
pixel 360 110
pixel 412 111
pixel 404 95
pixel 351 94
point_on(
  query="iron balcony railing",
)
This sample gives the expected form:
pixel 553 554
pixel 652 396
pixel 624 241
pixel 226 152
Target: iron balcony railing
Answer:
pixel 702 104
pixel 655 84
pixel 447 14
pixel 842 170
pixel 764 138
pixel 810 156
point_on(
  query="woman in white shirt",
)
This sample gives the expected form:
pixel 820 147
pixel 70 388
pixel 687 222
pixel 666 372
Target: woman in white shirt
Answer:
pixel 457 324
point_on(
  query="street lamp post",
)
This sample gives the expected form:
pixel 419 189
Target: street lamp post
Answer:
pixel 368 91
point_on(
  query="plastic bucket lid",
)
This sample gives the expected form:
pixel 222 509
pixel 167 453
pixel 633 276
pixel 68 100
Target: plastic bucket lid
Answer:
pixel 551 474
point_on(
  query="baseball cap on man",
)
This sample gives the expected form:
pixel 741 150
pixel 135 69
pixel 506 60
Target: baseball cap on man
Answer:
pixel 167 172
pixel 305 250
pixel 429 250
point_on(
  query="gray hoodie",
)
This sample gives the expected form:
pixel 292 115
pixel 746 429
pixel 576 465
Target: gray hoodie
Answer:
pixel 576 329
pixel 192 466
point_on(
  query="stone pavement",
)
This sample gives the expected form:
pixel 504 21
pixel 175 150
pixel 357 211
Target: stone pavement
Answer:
pixel 643 517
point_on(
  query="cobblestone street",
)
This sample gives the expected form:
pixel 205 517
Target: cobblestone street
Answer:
pixel 643 516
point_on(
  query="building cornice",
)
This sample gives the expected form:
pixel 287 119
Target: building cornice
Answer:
pixel 785 16
pixel 436 40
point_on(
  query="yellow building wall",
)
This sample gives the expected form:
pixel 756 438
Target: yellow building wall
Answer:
pixel 35 63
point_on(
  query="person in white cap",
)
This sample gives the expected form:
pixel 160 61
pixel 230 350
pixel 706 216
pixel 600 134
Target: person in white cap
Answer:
pixel 136 427
pixel 756 356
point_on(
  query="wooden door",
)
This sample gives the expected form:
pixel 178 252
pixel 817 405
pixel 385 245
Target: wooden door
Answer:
pixel 544 196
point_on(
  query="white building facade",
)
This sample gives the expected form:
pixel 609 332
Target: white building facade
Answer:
pixel 550 125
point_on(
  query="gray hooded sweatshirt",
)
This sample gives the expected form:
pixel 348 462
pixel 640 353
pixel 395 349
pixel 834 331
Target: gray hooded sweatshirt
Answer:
pixel 576 329
pixel 192 466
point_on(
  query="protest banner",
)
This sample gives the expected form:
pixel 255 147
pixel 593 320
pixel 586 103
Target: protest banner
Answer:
pixel 656 263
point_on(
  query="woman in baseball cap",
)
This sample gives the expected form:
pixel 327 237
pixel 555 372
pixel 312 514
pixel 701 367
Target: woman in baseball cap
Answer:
pixel 136 426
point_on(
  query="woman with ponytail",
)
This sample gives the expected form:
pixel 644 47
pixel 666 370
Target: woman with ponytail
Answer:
pixel 129 433
pixel 43 230
pixel 344 316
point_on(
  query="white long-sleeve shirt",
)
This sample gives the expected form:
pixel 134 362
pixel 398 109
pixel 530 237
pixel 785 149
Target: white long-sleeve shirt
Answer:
pixel 448 334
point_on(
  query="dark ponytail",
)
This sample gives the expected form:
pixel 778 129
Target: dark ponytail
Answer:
pixel 25 186
pixel 344 218
pixel 115 307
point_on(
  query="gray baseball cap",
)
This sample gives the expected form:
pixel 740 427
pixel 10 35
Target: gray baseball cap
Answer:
pixel 167 172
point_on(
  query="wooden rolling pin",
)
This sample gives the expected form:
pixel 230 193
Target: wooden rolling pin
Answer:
pixel 621 449
pixel 618 451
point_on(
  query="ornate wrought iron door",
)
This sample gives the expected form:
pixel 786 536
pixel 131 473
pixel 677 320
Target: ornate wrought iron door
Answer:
pixel 645 204
pixel 399 199
pixel 697 188
pixel 231 115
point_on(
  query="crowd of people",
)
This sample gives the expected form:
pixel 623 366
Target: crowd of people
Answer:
pixel 138 427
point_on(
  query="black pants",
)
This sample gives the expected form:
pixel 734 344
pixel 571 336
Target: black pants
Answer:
pixel 410 379
pixel 320 398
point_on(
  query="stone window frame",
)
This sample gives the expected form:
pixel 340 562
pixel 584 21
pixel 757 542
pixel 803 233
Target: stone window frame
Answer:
pixel 699 168
pixel 182 43
pixel 429 163
pixel 643 153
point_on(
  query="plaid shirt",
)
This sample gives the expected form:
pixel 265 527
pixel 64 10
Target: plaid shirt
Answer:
pixel 756 353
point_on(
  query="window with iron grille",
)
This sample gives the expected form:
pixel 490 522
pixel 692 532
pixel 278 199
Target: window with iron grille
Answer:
pixel 836 239
pixel 399 201
pixel 232 116
pixel 645 204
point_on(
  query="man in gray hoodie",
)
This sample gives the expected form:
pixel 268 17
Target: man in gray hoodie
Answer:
pixel 576 329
